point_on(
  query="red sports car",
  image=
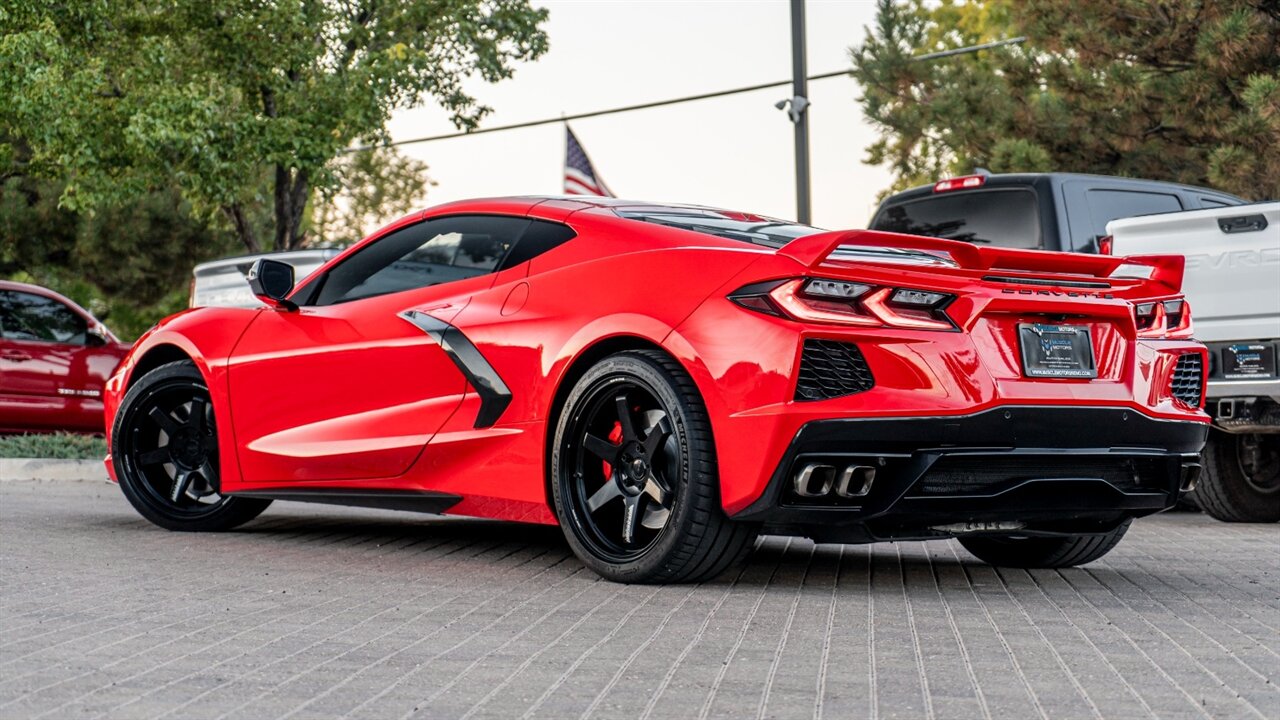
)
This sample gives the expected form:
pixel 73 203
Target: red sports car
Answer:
pixel 665 382
pixel 54 360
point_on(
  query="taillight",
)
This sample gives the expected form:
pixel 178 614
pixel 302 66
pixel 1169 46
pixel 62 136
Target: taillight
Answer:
pixel 842 302
pixel 1166 320
pixel 1105 244
pixel 968 182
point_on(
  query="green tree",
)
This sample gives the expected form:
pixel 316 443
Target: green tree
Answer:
pixel 373 186
pixel 1180 90
pixel 240 107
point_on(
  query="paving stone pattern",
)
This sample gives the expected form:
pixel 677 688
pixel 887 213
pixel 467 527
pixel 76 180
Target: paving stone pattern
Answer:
pixel 316 612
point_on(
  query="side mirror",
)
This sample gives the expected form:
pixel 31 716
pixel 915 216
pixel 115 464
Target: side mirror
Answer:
pixel 271 282
pixel 95 336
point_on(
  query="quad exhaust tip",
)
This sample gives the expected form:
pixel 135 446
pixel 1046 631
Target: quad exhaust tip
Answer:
pixel 817 480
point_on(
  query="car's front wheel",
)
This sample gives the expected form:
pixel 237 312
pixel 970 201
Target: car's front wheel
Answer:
pixel 164 443
pixel 1043 552
pixel 634 475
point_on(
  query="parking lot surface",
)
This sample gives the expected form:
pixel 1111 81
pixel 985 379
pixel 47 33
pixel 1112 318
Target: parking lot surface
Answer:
pixel 314 612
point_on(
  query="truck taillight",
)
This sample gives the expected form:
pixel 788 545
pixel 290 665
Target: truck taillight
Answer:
pixel 1167 320
pixel 1105 244
pixel 967 182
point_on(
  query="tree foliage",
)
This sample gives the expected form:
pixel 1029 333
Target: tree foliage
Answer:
pixel 372 186
pixel 240 107
pixel 1180 90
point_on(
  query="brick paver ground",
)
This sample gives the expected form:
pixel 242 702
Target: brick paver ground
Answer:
pixel 319 612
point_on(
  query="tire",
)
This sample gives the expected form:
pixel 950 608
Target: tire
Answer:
pixel 164 444
pixel 1241 480
pixel 640 502
pixel 1043 552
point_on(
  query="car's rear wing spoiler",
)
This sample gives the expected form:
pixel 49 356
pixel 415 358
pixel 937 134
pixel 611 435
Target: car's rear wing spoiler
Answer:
pixel 814 250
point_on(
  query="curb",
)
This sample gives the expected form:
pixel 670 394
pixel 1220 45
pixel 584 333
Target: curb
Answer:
pixel 37 469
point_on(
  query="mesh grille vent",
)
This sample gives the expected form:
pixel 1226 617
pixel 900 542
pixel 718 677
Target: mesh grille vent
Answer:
pixel 831 369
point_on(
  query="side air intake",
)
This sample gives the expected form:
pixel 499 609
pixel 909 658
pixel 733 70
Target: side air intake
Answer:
pixel 831 369
pixel 1188 375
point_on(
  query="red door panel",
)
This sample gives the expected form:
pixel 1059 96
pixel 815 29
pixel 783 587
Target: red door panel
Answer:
pixel 341 392
pixel 46 383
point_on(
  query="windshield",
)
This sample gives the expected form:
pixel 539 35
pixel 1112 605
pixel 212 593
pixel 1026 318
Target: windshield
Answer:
pixel 1008 218
pixel 747 228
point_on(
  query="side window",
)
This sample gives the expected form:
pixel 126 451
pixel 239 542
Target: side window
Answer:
pixel 28 317
pixel 1108 205
pixel 540 237
pixel 1211 203
pixel 428 253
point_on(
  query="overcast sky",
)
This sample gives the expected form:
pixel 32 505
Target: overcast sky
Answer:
pixel 733 152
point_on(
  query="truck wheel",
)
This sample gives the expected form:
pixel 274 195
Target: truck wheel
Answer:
pixel 1241 481
pixel 1043 552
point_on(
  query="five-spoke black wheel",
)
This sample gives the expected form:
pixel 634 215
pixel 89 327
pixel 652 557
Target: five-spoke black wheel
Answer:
pixel 165 448
pixel 634 472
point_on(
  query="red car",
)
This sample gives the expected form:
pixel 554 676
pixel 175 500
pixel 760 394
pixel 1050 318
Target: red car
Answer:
pixel 54 360
pixel 665 382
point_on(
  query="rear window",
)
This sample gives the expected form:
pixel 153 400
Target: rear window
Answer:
pixel 747 228
pixel 1108 205
pixel 1008 218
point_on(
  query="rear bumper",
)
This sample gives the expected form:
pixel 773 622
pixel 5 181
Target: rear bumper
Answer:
pixel 1045 470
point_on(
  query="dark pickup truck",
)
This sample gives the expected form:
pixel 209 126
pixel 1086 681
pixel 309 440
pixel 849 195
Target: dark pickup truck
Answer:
pixel 1042 211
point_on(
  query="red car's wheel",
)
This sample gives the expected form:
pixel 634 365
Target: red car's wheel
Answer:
pixel 635 480
pixel 165 448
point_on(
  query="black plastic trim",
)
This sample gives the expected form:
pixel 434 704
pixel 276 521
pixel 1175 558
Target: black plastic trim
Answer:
pixel 1243 223
pixel 494 394
pixel 1049 282
pixel 905 449
pixel 407 500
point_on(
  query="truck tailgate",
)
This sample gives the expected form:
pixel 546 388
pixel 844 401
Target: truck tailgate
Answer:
pixel 1232 275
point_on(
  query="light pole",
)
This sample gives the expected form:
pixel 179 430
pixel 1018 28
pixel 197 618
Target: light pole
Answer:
pixel 797 105
pixel 798 111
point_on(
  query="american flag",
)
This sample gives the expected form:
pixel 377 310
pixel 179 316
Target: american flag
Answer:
pixel 579 177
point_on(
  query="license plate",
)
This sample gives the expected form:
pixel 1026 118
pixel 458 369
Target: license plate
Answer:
pixel 1248 361
pixel 1056 351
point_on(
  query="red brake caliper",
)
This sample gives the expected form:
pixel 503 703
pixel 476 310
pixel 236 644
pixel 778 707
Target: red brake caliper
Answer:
pixel 615 437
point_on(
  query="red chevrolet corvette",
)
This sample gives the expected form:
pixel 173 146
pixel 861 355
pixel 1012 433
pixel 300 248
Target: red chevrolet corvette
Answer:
pixel 665 382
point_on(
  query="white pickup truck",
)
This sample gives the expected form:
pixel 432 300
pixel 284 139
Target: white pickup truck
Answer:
pixel 1233 286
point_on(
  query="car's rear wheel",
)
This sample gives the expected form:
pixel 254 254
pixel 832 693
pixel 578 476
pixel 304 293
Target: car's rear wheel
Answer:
pixel 164 444
pixel 1241 482
pixel 634 474
pixel 1043 552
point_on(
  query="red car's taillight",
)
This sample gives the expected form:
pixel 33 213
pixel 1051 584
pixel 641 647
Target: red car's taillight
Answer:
pixel 841 302
pixel 1167 320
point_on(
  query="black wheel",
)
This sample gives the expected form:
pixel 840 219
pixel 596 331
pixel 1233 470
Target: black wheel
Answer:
pixel 634 475
pixel 1241 480
pixel 1043 552
pixel 164 444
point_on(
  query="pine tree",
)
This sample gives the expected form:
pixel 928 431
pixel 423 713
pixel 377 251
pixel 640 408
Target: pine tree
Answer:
pixel 1180 90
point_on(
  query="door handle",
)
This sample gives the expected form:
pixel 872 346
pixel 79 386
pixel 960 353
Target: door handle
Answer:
pixel 14 356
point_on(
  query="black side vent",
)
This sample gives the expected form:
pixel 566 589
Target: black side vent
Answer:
pixel 1188 375
pixel 830 369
